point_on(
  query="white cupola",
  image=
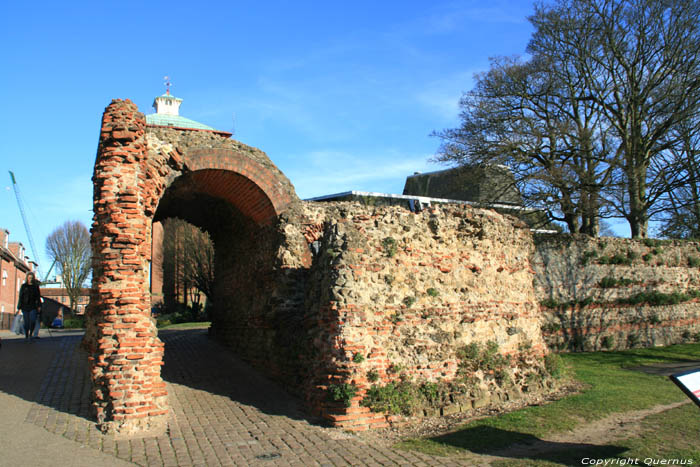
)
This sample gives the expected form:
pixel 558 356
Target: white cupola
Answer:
pixel 167 104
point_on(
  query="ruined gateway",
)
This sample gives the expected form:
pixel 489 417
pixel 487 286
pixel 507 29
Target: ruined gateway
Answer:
pixel 316 295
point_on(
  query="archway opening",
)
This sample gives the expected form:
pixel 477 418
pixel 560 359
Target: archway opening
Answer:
pixel 236 215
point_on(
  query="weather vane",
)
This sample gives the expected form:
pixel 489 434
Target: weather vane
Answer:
pixel 167 84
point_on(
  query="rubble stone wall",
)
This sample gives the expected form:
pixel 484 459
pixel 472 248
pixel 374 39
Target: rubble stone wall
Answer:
pixel 613 293
pixel 398 294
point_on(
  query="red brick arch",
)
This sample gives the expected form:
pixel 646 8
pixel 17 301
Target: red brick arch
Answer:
pixel 134 168
pixel 258 192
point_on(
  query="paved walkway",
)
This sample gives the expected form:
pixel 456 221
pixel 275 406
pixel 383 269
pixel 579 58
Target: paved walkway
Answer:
pixel 222 413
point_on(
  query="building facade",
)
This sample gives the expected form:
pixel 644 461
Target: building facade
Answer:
pixel 14 266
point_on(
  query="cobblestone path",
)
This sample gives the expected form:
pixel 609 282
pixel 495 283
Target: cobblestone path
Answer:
pixel 222 413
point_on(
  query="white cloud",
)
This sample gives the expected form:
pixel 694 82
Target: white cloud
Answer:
pixel 327 172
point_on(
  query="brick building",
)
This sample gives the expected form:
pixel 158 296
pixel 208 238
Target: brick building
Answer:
pixel 14 266
pixel 60 295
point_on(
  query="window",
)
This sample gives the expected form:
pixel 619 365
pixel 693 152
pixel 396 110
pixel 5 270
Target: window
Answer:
pixel 4 277
pixel 19 283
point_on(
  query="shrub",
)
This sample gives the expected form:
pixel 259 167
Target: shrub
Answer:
pixel 654 319
pixel 409 301
pixel 469 352
pixel 395 398
pixel 611 282
pixel 647 257
pixel 632 340
pixel 434 393
pixel 608 342
pixel 655 298
pixel 390 247
pixel 432 292
pixel 503 377
pixel 162 322
pixel 693 261
pixel 372 376
pixel 475 357
pixel 74 322
pixel 342 393
pixel 554 365
pixel 358 358
pixel 587 256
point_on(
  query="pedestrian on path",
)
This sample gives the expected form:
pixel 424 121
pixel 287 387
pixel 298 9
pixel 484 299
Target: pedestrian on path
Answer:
pixel 29 303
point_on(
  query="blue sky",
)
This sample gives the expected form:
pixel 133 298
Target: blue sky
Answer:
pixel 340 95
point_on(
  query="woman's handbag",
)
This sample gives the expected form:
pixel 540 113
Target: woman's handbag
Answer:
pixel 18 324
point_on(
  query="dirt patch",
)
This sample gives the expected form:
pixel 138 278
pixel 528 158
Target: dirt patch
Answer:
pixel 601 432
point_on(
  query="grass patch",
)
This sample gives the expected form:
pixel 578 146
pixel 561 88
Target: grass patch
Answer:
pixel 658 440
pixel 189 325
pixel 74 322
pixel 611 388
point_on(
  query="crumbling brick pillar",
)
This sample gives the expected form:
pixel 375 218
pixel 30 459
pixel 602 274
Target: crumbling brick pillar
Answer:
pixel 125 353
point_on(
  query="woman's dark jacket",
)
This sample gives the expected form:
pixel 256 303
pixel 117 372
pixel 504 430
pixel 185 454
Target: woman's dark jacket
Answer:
pixel 29 297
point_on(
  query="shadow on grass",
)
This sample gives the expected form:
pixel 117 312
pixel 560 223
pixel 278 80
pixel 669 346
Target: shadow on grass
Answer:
pixel 503 443
pixel 641 357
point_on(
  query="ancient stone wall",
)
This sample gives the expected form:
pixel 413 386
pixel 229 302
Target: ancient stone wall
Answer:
pixel 397 294
pixel 613 293
pixel 334 292
pixel 339 296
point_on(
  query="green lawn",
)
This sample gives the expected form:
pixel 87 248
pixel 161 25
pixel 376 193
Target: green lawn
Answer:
pixel 188 325
pixel 611 388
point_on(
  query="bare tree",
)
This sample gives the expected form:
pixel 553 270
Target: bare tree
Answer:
pixel 188 260
pixel 681 216
pixel 639 61
pixel 589 123
pixel 69 246
pixel 522 115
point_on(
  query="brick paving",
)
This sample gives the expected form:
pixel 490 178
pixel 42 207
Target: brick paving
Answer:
pixel 222 413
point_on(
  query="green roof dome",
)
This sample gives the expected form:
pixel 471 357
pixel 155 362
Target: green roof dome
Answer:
pixel 176 121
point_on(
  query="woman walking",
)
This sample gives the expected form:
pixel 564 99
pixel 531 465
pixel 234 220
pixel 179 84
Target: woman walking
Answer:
pixel 29 303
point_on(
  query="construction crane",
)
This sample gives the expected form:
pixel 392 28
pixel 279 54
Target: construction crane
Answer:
pixel 20 204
